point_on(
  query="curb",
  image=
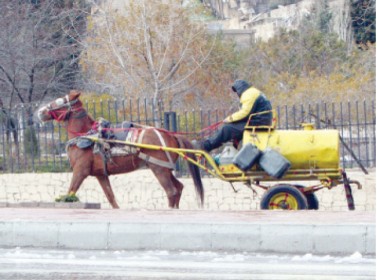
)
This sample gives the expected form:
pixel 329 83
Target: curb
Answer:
pixel 172 230
pixel 60 205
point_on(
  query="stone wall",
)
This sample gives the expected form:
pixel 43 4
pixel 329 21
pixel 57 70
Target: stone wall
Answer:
pixel 140 190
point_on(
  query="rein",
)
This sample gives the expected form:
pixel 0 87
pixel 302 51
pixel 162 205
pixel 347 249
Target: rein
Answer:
pixel 203 132
pixel 63 111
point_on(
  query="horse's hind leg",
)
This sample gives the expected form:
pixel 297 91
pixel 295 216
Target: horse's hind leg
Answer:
pixel 168 182
pixel 179 187
pixel 106 186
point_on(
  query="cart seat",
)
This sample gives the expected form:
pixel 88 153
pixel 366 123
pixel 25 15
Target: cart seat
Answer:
pixel 263 127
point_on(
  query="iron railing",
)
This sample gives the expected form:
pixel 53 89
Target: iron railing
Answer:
pixel 27 146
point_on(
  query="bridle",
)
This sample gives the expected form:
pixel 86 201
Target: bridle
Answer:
pixel 64 106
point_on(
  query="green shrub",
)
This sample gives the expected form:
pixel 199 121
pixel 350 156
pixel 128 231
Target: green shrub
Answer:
pixel 71 197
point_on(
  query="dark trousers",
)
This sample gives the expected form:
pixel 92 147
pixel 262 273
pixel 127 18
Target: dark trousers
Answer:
pixel 227 132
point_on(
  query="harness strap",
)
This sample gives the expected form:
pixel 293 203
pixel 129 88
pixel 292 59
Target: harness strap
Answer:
pixel 154 160
pixel 140 140
pixel 164 145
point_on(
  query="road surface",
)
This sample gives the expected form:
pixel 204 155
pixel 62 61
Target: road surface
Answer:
pixel 22 263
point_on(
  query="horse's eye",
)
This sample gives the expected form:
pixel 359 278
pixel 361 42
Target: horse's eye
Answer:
pixel 59 101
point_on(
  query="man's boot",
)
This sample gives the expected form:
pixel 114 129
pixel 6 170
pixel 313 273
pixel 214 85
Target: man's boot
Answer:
pixel 197 144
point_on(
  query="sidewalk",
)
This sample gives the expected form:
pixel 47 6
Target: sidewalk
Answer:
pixel 316 232
pixel 141 190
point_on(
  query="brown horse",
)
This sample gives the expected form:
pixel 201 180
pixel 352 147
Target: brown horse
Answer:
pixel 85 162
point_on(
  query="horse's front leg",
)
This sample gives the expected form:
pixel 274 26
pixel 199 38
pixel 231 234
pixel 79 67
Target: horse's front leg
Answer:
pixel 76 181
pixel 106 186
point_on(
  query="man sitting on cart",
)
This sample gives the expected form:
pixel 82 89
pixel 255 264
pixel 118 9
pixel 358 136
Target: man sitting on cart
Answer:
pixel 253 101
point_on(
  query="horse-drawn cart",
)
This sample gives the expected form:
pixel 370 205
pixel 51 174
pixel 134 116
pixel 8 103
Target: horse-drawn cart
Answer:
pixel 296 155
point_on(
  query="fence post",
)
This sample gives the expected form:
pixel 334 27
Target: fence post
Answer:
pixel 170 123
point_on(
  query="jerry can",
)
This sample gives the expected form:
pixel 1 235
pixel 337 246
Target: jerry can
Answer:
pixel 227 155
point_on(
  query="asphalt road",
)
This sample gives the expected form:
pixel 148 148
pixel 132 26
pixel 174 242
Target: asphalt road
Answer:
pixel 21 263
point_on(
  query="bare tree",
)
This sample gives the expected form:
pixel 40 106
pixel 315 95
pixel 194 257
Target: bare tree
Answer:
pixel 38 48
pixel 147 48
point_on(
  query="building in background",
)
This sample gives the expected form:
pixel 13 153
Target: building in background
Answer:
pixel 264 17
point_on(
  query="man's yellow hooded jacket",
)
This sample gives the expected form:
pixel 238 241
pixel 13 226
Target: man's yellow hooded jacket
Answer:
pixel 252 101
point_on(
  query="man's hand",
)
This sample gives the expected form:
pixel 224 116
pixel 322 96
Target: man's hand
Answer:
pixel 227 120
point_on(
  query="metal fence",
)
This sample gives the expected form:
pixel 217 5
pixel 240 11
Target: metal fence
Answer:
pixel 33 147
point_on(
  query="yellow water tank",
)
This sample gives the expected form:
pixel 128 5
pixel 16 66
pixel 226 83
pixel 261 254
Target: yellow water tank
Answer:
pixel 305 149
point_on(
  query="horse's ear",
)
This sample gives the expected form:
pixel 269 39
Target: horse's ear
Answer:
pixel 74 94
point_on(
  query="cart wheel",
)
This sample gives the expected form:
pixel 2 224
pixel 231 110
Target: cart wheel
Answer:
pixel 311 198
pixel 286 197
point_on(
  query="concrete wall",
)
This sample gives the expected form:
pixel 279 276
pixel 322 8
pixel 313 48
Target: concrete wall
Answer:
pixel 140 190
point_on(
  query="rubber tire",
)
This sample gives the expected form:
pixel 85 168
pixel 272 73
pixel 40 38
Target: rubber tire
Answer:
pixel 313 203
pixel 300 198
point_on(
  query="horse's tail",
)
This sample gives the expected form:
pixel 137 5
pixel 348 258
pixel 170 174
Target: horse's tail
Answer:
pixel 194 169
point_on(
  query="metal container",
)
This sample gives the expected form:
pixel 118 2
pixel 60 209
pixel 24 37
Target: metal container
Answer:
pixel 274 163
pixel 304 149
pixel 246 157
pixel 227 155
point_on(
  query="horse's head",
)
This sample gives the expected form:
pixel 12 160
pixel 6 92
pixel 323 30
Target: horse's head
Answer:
pixel 61 108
